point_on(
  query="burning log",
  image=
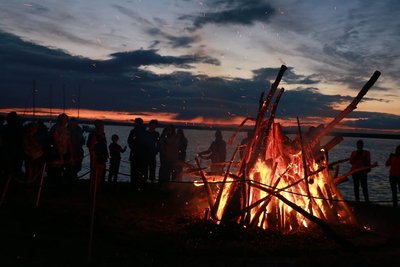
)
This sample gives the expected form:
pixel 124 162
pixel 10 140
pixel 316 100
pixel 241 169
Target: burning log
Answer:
pixel 352 106
pixel 281 183
pixel 343 177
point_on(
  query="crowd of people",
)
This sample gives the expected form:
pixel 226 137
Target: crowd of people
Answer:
pixel 31 150
pixel 59 151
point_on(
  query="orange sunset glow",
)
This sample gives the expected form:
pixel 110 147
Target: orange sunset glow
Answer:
pixel 171 118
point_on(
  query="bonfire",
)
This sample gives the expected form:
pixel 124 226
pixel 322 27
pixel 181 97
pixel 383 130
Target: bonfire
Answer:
pixel 280 183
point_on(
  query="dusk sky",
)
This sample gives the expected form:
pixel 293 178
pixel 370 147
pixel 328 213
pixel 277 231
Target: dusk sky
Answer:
pixel 203 59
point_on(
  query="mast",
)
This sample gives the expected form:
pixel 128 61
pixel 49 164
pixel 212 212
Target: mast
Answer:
pixel 51 102
pixel 63 89
pixel 34 98
pixel 79 99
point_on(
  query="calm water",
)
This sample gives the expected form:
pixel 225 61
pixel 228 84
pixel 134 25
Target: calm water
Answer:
pixel 199 140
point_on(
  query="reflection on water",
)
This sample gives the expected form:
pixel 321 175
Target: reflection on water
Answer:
pixel 199 140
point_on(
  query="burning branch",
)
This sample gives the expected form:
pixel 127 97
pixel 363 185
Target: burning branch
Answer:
pixel 352 106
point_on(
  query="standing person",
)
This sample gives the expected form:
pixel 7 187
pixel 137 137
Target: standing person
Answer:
pixel 77 141
pixel 115 159
pixel 168 155
pixel 138 155
pixel 217 153
pixel 153 148
pixel 34 152
pixel 12 134
pixel 360 158
pixel 245 143
pixel 394 174
pixel 60 139
pixel 2 120
pixel 182 146
pixel 97 145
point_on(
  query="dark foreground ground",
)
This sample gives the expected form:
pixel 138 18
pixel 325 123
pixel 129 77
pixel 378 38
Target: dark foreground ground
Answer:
pixel 164 227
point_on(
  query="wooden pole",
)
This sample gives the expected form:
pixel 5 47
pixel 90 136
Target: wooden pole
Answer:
pixel 63 90
pixel 79 100
pixel 215 207
pixel 352 106
pixel 5 190
pixel 343 177
pixel 34 99
pixel 40 186
pixel 305 166
pixel 206 184
pixel 51 102
pixel 93 194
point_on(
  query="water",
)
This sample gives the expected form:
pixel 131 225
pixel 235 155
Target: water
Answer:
pixel 200 140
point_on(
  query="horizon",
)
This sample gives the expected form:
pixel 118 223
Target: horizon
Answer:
pixel 127 118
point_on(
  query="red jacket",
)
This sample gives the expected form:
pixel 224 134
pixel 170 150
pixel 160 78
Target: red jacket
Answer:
pixel 394 163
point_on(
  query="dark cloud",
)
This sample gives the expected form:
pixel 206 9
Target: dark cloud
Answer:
pixel 376 121
pixel 136 17
pixel 290 76
pixel 306 102
pixel 233 12
pixel 174 41
pixel 123 83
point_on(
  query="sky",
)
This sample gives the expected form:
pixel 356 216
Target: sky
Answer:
pixel 203 60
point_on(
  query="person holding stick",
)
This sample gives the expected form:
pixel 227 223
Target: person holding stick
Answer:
pixel 394 173
pixel 358 159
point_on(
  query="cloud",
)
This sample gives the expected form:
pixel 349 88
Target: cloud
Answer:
pixel 376 121
pixel 233 12
pixel 174 41
pixel 290 76
pixel 123 83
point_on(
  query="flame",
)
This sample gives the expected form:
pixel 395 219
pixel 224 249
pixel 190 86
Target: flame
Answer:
pixel 280 169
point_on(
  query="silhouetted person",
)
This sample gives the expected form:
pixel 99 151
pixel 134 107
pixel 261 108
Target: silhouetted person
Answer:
pixel 358 159
pixel 153 149
pixel 394 174
pixel 77 141
pixel 182 143
pixel 138 157
pixel 245 143
pixel 60 138
pixel 217 153
pixel 34 152
pixel 97 145
pixel 115 159
pixel 12 145
pixel 2 120
pixel 168 155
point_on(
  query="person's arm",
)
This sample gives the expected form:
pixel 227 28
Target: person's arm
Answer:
pixel 131 137
pixel 206 154
pixel 368 158
pixel 389 160
pixel 352 157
